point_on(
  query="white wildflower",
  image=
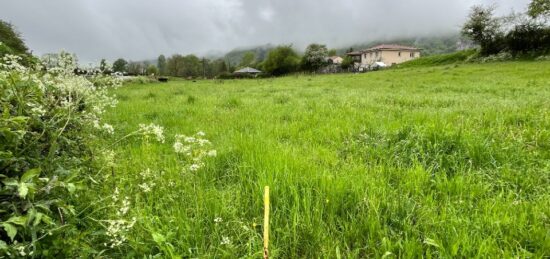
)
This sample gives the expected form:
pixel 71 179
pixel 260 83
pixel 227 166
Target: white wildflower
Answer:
pixel 108 128
pixel 194 167
pixel 190 139
pixel 218 220
pixel 109 158
pixel 212 153
pixel 146 174
pixel 153 130
pixel 225 241
pixel 125 207
pixel 201 134
pixel 145 187
pixel 178 147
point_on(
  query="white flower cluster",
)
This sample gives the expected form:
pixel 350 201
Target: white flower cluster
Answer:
pixel 84 99
pixel 152 130
pixel 147 179
pixel 194 150
pixel 117 229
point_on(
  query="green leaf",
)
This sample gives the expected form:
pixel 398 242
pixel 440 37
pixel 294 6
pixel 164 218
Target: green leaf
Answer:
pixel 37 219
pixel 159 238
pixel 17 220
pixel 71 187
pixel 10 182
pixel 10 229
pixel 30 174
pixel 23 190
pixel 3 246
pixel 431 242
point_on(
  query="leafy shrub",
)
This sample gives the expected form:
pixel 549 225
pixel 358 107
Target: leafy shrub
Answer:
pixel 502 56
pixel 48 120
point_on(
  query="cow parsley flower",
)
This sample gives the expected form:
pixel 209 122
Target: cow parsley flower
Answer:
pixel 153 130
pixel 212 153
pixel 225 241
pixel 108 128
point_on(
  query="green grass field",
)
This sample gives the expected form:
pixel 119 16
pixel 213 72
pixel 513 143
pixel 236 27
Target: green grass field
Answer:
pixel 448 161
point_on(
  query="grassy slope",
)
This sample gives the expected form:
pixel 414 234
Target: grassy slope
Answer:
pixel 437 161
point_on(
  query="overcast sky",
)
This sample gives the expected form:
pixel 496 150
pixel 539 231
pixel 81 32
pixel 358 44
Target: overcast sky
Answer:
pixel 143 29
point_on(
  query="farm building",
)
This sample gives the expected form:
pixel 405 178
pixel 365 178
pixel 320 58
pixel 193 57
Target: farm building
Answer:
pixel 248 70
pixel 335 60
pixel 389 54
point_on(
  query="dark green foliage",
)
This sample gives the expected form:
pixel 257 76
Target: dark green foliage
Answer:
pixel 120 65
pixel 539 8
pixel 281 60
pixel 12 39
pixel 484 29
pixel 161 65
pixel 347 63
pixel 528 38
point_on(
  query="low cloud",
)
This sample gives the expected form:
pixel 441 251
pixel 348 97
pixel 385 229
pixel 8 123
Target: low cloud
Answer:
pixel 138 29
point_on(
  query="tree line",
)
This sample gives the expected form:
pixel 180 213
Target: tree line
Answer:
pixel 278 61
pixel 518 34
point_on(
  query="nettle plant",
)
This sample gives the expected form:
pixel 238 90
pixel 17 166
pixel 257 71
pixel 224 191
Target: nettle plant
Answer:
pixel 48 118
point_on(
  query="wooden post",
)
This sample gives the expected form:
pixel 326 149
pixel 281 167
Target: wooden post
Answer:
pixel 266 222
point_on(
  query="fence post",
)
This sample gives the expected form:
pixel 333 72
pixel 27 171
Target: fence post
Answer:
pixel 266 222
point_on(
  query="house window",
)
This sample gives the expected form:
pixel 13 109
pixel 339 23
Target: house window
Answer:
pixel 412 54
pixel 399 54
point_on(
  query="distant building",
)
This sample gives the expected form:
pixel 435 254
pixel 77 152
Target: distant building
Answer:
pixel 248 70
pixel 388 54
pixel 335 60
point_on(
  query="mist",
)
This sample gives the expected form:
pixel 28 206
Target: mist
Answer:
pixel 140 29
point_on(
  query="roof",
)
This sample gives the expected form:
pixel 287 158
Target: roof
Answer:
pixel 248 70
pixel 354 53
pixel 383 47
pixel 390 47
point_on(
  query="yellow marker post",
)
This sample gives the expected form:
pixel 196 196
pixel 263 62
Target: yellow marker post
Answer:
pixel 266 222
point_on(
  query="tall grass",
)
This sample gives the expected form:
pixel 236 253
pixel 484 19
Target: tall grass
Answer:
pixel 424 162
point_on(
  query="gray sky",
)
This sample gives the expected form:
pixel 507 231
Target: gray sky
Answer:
pixel 143 29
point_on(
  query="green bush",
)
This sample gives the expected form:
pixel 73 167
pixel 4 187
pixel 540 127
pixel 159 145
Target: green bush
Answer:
pixel 47 126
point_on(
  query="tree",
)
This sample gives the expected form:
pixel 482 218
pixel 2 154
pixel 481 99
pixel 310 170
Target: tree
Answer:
pixel 174 65
pixel 12 40
pixel 136 68
pixel 332 52
pixel 152 70
pixel 104 67
pixel 347 62
pixel 315 57
pixel 484 29
pixel 539 8
pixel 161 65
pixel 248 59
pixel 120 65
pixel 281 60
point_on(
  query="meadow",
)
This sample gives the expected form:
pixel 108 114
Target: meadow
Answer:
pixel 443 161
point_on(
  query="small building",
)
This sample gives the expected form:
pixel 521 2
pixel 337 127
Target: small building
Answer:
pixel 248 71
pixel 388 54
pixel 335 60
